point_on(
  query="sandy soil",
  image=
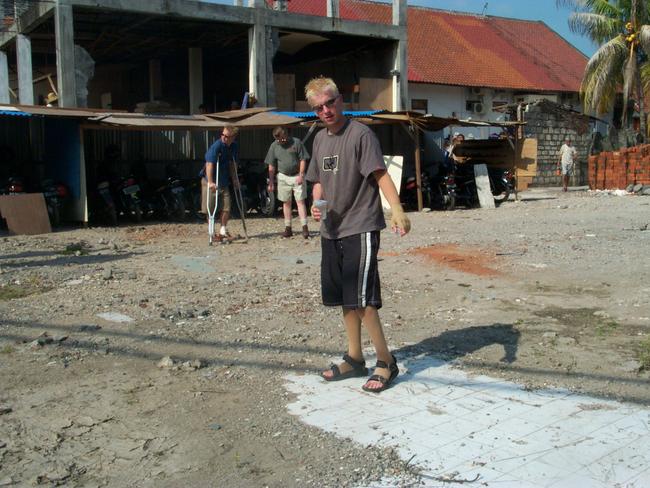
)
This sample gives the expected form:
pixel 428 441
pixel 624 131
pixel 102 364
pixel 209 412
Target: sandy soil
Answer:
pixel 548 291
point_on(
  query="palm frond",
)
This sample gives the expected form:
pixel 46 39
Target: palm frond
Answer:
pixel 644 38
pixel 574 4
pixel 645 76
pixel 613 10
pixel 599 28
pixel 603 76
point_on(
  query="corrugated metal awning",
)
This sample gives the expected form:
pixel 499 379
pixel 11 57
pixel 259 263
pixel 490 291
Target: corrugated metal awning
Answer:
pixel 347 113
pixel 169 122
pixel 14 112
pixel 80 113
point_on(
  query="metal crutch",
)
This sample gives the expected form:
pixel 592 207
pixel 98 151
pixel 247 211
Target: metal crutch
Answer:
pixel 240 200
pixel 213 213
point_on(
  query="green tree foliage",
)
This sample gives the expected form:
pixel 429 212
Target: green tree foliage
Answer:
pixel 622 29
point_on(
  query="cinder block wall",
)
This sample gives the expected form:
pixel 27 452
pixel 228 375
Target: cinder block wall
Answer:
pixel 618 169
pixel 550 130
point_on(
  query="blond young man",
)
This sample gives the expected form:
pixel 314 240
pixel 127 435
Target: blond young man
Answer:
pixel 347 170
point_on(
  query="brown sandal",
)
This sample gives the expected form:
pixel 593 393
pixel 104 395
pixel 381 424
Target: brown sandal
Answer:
pixel 358 369
pixel 385 382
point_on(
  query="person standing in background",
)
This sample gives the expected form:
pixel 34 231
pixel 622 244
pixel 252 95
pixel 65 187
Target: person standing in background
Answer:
pixel 287 157
pixel 567 155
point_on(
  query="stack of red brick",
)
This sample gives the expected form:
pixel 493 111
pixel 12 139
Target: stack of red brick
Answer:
pixel 619 169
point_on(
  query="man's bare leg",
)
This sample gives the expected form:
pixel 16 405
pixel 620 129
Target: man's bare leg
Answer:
pixel 286 211
pixel 352 323
pixel 369 316
pixel 225 216
pixel 302 210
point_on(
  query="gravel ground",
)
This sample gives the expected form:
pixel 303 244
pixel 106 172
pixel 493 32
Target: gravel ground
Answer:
pixel 139 356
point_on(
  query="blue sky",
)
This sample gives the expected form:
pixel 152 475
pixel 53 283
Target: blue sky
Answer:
pixel 544 10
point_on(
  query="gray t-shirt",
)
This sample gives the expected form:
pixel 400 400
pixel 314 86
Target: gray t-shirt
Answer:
pixel 344 164
pixel 286 158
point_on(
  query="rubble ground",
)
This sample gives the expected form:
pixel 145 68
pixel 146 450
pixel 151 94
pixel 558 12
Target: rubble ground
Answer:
pixel 141 356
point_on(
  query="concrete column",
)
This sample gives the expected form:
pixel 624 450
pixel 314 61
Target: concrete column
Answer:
pixel 238 3
pixel 155 80
pixel 65 68
pixel 195 57
pixel 260 74
pixel 400 65
pixel 333 9
pixel 399 12
pixel 4 78
pixel 25 80
pixel 400 77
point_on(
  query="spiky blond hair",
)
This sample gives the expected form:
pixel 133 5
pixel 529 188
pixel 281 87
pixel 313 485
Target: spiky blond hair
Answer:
pixel 320 85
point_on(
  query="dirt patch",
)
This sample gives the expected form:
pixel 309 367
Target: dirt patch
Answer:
pixel 148 233
pixel 467 260
pixel 538 292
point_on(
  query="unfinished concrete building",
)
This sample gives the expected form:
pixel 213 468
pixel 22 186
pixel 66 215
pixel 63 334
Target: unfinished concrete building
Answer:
pixel 186 56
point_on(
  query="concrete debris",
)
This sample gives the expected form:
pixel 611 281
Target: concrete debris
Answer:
pixel 166 362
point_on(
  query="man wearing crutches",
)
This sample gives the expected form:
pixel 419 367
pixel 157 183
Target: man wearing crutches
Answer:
pixel 223 153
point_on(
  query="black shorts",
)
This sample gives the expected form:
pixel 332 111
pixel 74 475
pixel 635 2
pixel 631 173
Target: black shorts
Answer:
pixel 349 274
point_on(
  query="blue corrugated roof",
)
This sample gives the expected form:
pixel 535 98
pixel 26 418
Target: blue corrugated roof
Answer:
pixel 349 113
pixel 15 112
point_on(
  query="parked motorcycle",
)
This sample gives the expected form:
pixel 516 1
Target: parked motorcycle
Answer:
pixel 501 184
pixel 103 205
pixel 254 182
pixel 466 191
pixel 128 199
pixel 190 197
pixel 169 200
pixel 443 186
pixel 409 194
pixel 13 186
pixel 192 194
pixel 55 194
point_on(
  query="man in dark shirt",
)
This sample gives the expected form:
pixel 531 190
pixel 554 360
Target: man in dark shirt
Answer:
pixel 224 154
pixel 348 170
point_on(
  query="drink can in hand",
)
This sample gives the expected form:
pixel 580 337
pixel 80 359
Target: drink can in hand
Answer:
pixel 322 206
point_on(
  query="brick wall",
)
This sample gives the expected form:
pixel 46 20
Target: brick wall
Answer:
pixel 619 169
pixel 550 130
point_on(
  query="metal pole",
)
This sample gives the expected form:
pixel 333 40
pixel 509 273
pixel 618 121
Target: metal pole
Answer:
pixel 418 166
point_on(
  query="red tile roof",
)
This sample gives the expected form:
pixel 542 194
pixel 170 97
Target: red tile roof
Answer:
pixel 452 48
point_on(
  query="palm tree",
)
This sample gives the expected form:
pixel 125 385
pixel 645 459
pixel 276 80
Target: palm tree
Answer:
pixel 622 29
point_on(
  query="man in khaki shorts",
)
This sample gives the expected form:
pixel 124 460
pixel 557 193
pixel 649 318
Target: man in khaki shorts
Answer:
pixel 288 157
pixel 223 153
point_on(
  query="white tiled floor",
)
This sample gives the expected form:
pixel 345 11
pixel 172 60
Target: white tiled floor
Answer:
pixel 460 427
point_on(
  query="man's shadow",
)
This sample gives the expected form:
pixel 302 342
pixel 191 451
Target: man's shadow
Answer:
pixel 453 344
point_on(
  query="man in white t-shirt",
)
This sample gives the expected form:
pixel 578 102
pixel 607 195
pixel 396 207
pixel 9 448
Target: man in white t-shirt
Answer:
pixel 567 153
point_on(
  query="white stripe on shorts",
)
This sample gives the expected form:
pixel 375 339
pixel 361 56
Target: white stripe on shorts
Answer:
pixel 366 248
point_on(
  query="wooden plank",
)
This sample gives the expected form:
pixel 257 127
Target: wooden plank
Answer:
pixel 285 91
pixel 485 197
pixel 394 165
pixel 524 182
pixel 25 213
pixel 375 94
pixel 527 161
